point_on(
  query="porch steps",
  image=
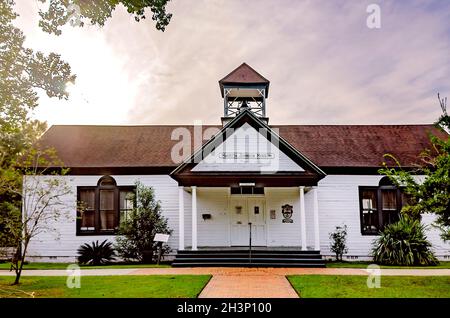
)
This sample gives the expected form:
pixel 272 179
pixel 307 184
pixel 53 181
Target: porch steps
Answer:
pixel 241 258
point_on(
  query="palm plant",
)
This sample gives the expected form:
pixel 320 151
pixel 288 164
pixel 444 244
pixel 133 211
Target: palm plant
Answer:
pixel 404 243
pixel 96 254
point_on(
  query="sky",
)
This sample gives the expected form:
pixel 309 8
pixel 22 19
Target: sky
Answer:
pixel 325 65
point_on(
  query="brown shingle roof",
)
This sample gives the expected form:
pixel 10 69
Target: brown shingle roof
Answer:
pixel 150 146
pixel 244 73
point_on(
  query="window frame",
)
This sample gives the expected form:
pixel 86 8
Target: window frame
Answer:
pixel 378 191
pixel 97 230
pixel 361 214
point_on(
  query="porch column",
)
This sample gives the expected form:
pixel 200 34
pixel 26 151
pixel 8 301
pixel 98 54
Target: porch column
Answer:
pixel 302 218
pixel 181 218
pixel 194 218
pixel 316 219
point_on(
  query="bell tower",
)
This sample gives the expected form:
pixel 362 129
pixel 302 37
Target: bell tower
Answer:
pixel 244 88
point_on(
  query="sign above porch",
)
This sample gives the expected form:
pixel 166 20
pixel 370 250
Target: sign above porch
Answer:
pixel 247 150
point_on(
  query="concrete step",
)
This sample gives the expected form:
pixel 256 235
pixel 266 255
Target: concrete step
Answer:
pixel 239 264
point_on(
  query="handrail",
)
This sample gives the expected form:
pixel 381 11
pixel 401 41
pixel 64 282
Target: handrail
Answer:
pixel 250 242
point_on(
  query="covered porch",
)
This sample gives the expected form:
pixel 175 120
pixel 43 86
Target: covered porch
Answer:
pixel 265 218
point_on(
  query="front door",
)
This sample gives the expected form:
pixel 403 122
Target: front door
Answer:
pixel 246 210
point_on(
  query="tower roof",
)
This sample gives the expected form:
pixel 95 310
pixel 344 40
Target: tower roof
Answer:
pixel 244 74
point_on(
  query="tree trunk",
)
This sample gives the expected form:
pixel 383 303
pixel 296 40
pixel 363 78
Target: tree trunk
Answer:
pixel 20 267
pixel 147 256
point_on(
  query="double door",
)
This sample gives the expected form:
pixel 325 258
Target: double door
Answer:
pixel 245 210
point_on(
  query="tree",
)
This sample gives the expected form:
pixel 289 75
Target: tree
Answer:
pixel 431 195
pixel 136 233
pixel 23 72
pixel 339 241
pixel 42 193
pixel 80 12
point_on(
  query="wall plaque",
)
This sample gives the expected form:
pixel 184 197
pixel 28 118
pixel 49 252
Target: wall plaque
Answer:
pixel 287 211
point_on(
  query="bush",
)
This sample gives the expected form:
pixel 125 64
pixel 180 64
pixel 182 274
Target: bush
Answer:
pixel 136 233
pixel 96 254
pixel 339 241
pixel 403 243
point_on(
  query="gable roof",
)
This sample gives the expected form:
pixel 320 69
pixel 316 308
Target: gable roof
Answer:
pixel 244 74
pixel 247 116
pixel 328 146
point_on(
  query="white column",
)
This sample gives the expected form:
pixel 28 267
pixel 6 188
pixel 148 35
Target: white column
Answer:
pixel 181 218
pixel 302 218
pixel 316 219
pixel 194 218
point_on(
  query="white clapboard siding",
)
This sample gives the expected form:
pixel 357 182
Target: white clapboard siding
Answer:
pixel 62 244
pixel 338 198
pixel 215 231
pixel 247 140
pixel 279 233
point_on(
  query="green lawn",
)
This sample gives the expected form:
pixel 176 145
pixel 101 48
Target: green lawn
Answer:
pixel 330 286
pixel 365 264
pixel 157 286
pixel 64 266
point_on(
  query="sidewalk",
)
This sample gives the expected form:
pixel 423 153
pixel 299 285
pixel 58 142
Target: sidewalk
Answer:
pixel 233 271
pixel 240 282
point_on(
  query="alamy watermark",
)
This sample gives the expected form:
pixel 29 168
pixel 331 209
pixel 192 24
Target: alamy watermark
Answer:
pixel 73 276
pixel 374 278
pixel 373 20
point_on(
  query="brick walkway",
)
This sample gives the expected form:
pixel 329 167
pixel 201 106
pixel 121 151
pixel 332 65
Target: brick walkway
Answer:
pixel 248 286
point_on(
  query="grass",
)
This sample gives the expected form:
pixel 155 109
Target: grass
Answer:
pixel 442 265
pixel 64 266
pixel 334 286
pixel 156 286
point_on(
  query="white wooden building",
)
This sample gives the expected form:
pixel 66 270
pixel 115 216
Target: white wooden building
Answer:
pixel 287 185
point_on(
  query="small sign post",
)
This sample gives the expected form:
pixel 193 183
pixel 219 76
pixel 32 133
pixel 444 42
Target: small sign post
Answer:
pixel 161 238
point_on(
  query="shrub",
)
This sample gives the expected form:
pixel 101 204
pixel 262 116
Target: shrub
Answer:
pixel 403 243
pixel 96 254
pixel 339 241
pixel 136 233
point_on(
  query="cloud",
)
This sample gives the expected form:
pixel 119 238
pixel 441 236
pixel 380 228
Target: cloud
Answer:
pixel 324 64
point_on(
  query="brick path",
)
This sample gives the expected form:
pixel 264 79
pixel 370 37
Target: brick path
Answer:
pixel 248 286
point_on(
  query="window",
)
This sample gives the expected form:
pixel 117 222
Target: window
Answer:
pixel 247 190
pixel 369 210
pixel 126 204
pixel 380 206
pixel 101 208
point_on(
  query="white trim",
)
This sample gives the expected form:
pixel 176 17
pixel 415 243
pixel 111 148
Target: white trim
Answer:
pixel 316 219
pixel 302 217
pixel 181 218
pixel 194 218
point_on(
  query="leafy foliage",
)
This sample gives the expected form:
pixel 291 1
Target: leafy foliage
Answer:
pixel 80 12
pixel 135 240
pixel 96 254
pixel 403 243
pixel 431 195
pixel 23 73
pixel 339 241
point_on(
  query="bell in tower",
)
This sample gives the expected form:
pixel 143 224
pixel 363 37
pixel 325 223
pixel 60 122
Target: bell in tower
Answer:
pixel 244 88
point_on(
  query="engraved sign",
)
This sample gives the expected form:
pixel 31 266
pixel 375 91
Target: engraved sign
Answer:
pixel 246 155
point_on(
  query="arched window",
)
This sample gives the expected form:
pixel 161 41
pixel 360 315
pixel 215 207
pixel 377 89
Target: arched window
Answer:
pixel 101 208
pixel 385 181
pixel 106 181
pixel 380 206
